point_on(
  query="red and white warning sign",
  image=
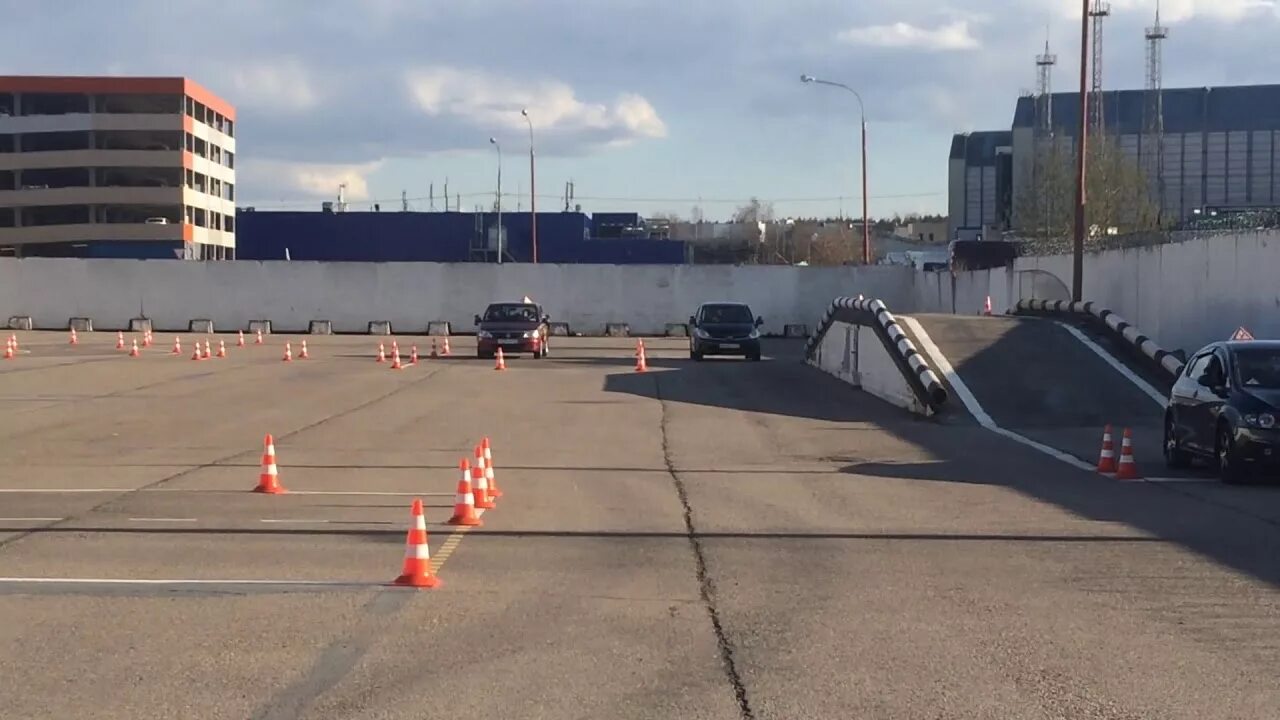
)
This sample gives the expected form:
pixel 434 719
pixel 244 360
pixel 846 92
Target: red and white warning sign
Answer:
pixel 1241 334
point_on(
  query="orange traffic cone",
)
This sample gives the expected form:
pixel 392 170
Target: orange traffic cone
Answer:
pixel 1107 459
pixel 146 339
pixel 222 348
pixel 8 349
pixel 195 354
pixel 177 346
pixel 288 353
pixel 444 349
pixel 413 355
pixel 395 346
pixel 502 362
pixel 382 352
pixel 133 351
pixel 119 340
pixel 494 491
pixel 434 353
pixel 208 351
pixel 479 483
pixel 464 507
pixel 269 479
pixel 395 358
pixel 417 558
pixel 303 354
pixel 1128 469
pixel 258 340
pixel 642 365
pixel 74 339
pixel 240 338
pixel 986 307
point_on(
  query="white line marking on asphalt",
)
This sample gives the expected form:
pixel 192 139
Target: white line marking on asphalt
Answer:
pixel 161 519
pixel 139 581
pixel 32 519
pixel 974 407
pixel 1119 367
pixel 1180 480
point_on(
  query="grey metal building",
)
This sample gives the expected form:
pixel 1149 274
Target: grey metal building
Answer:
pixel 979 183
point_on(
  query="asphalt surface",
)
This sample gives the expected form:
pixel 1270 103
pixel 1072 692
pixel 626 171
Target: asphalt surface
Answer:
pixel 706 540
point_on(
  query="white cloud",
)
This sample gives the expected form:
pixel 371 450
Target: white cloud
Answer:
pixel 290 180
pixel 952 36
pixel 493 101
pixel 281 84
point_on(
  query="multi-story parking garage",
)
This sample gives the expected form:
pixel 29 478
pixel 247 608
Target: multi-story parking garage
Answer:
pixel 115 167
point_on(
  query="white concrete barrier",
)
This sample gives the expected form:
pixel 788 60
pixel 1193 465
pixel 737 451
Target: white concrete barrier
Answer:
pixel 409 295
pixel 856 355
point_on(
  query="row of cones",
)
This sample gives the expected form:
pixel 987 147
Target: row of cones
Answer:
pixel 1127 468
pixel 397 364
pixel 477 491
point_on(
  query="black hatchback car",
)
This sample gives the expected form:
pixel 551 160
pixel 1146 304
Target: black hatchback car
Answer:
pixel 724 328
pixel 1224 408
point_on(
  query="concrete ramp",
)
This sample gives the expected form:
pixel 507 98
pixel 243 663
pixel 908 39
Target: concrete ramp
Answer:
pixel 1038 377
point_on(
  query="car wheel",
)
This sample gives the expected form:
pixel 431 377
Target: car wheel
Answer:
pixel 754 357
pixel 1229 470
pixel 1174 456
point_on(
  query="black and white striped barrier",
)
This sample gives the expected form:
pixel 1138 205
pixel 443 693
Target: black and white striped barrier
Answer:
pixel 1165 359
pixel 873 313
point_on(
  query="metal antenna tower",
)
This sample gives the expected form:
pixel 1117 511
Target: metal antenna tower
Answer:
pixel 1044 88
pixel 1100 10
pixel 1153 115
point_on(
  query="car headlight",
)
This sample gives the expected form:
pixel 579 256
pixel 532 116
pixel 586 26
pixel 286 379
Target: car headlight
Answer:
pixel 484 334
pixel 754 335
pixel 700 333
pixel 1261 420
pixel 530 334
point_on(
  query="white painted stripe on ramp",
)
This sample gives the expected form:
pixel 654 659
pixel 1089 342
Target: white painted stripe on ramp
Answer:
pixel 1119 367
pixel 971 403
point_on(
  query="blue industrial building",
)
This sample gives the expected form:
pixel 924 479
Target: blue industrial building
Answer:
pixel 563 237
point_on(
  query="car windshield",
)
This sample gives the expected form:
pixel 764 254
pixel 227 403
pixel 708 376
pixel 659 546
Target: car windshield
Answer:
pixel 726 314
pixel 1259 368
pixel 511 313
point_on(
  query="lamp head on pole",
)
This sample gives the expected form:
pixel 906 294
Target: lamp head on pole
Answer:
pixel 493 141
pixel 524 112
pixel 807 78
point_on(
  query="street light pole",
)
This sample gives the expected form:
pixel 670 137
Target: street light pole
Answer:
pixel 862 111
pixel 533 188
pixel 494 142
pixel 1082 147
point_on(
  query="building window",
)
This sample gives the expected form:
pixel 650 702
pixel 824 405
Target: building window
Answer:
pixel 230 158
pixel 229 224
pixel 230 192
pixel 230 127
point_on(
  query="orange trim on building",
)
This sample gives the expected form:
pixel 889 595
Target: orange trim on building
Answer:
pixel 188 122
pixel 188 160
pixel 118 85
pixel 188 232
pixel 202 94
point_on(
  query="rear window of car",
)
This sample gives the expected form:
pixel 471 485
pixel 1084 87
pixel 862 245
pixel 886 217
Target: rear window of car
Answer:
pixel 714 314
pixel 511 313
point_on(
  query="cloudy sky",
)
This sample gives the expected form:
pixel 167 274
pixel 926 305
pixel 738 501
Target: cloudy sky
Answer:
pixel 647 105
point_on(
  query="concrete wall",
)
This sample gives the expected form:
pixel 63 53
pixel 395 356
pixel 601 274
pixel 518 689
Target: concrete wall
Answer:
pixel 856 355
pixel 1182 295
pixel 291 294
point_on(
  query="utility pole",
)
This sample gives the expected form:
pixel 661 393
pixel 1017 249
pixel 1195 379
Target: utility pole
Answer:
pixel 404 201
pixel 1082 149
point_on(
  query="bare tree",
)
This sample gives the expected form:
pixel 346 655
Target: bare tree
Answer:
pixel 754 211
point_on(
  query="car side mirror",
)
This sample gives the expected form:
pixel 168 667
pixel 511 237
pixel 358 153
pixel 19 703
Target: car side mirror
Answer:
pixel 693 321
pixel 759 321
pixel 477 319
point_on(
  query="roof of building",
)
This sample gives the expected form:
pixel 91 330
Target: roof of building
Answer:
pixel 979 148
pixel 1218 109
pixel 116 84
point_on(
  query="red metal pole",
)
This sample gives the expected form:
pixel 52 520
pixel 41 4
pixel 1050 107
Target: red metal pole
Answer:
pixel 866 219
pixel 533 199
pixel 1082 148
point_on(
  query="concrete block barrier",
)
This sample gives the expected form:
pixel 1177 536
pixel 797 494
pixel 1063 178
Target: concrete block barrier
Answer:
pixel 140 325
pixel 320 327
pixel 439 327
pixel 560 328
pixel 20 322
pixel 80 324
pixel 263 326
pixel 200 326
pixel 617 330
pixel 795 330
pixel 379 327
pixel 676 330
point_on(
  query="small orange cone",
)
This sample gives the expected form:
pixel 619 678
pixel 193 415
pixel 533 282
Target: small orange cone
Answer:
pixel 434 353
pixel 303 355
pixel 417 558
pixel 269 479
pixel 177 346
pixel 444 350
pixel 413 355
pixel 146 339
pixel 133 351
pixel 395 346
pixel 642 365
pixel 464 507
pixel 74 339
pixel 479 483
pixel 395 358
pixel 382 352
pixel 1128 469
pixel 119 340
pixel 502 362
pixel 986 307
pixel 494 491
pixel 288 353
pixel 240 338
pixel 195 354
pixel 8 349
pixel 1107 459
pixel 258 340
pixel 208 351
pixel 222 348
